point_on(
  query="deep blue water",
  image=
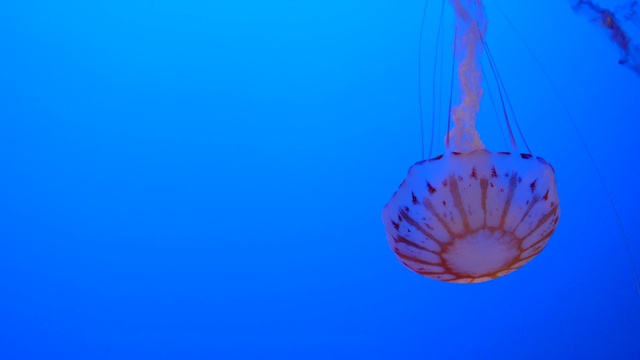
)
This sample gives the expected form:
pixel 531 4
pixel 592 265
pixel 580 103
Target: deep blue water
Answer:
pixel 204 180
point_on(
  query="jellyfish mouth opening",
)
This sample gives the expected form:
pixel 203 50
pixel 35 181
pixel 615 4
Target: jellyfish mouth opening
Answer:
pixel 482 253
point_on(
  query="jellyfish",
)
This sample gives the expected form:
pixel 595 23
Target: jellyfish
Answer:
pixel 611 22
pixel 471 215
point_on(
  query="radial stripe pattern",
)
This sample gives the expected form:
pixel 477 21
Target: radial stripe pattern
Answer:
pixel 472 217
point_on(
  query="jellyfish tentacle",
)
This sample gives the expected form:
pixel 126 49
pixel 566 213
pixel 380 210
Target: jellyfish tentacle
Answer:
pixel 468 47
pixel 424 16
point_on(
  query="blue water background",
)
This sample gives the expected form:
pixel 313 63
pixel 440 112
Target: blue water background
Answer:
pixel 204 180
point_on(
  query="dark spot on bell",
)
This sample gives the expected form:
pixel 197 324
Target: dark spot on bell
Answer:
pixel 533 185
pixel 395 225
pixel 494 173
pixel 474 173
pixel 414 199
pixel 445 183
pixel 432 190
pixel 444 203
pixel 526 156
pixel 546 195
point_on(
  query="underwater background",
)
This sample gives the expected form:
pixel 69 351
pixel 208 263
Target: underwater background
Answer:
pixel 205 179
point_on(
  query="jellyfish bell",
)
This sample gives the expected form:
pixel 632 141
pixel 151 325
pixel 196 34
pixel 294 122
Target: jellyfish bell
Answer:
pixel 472 216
